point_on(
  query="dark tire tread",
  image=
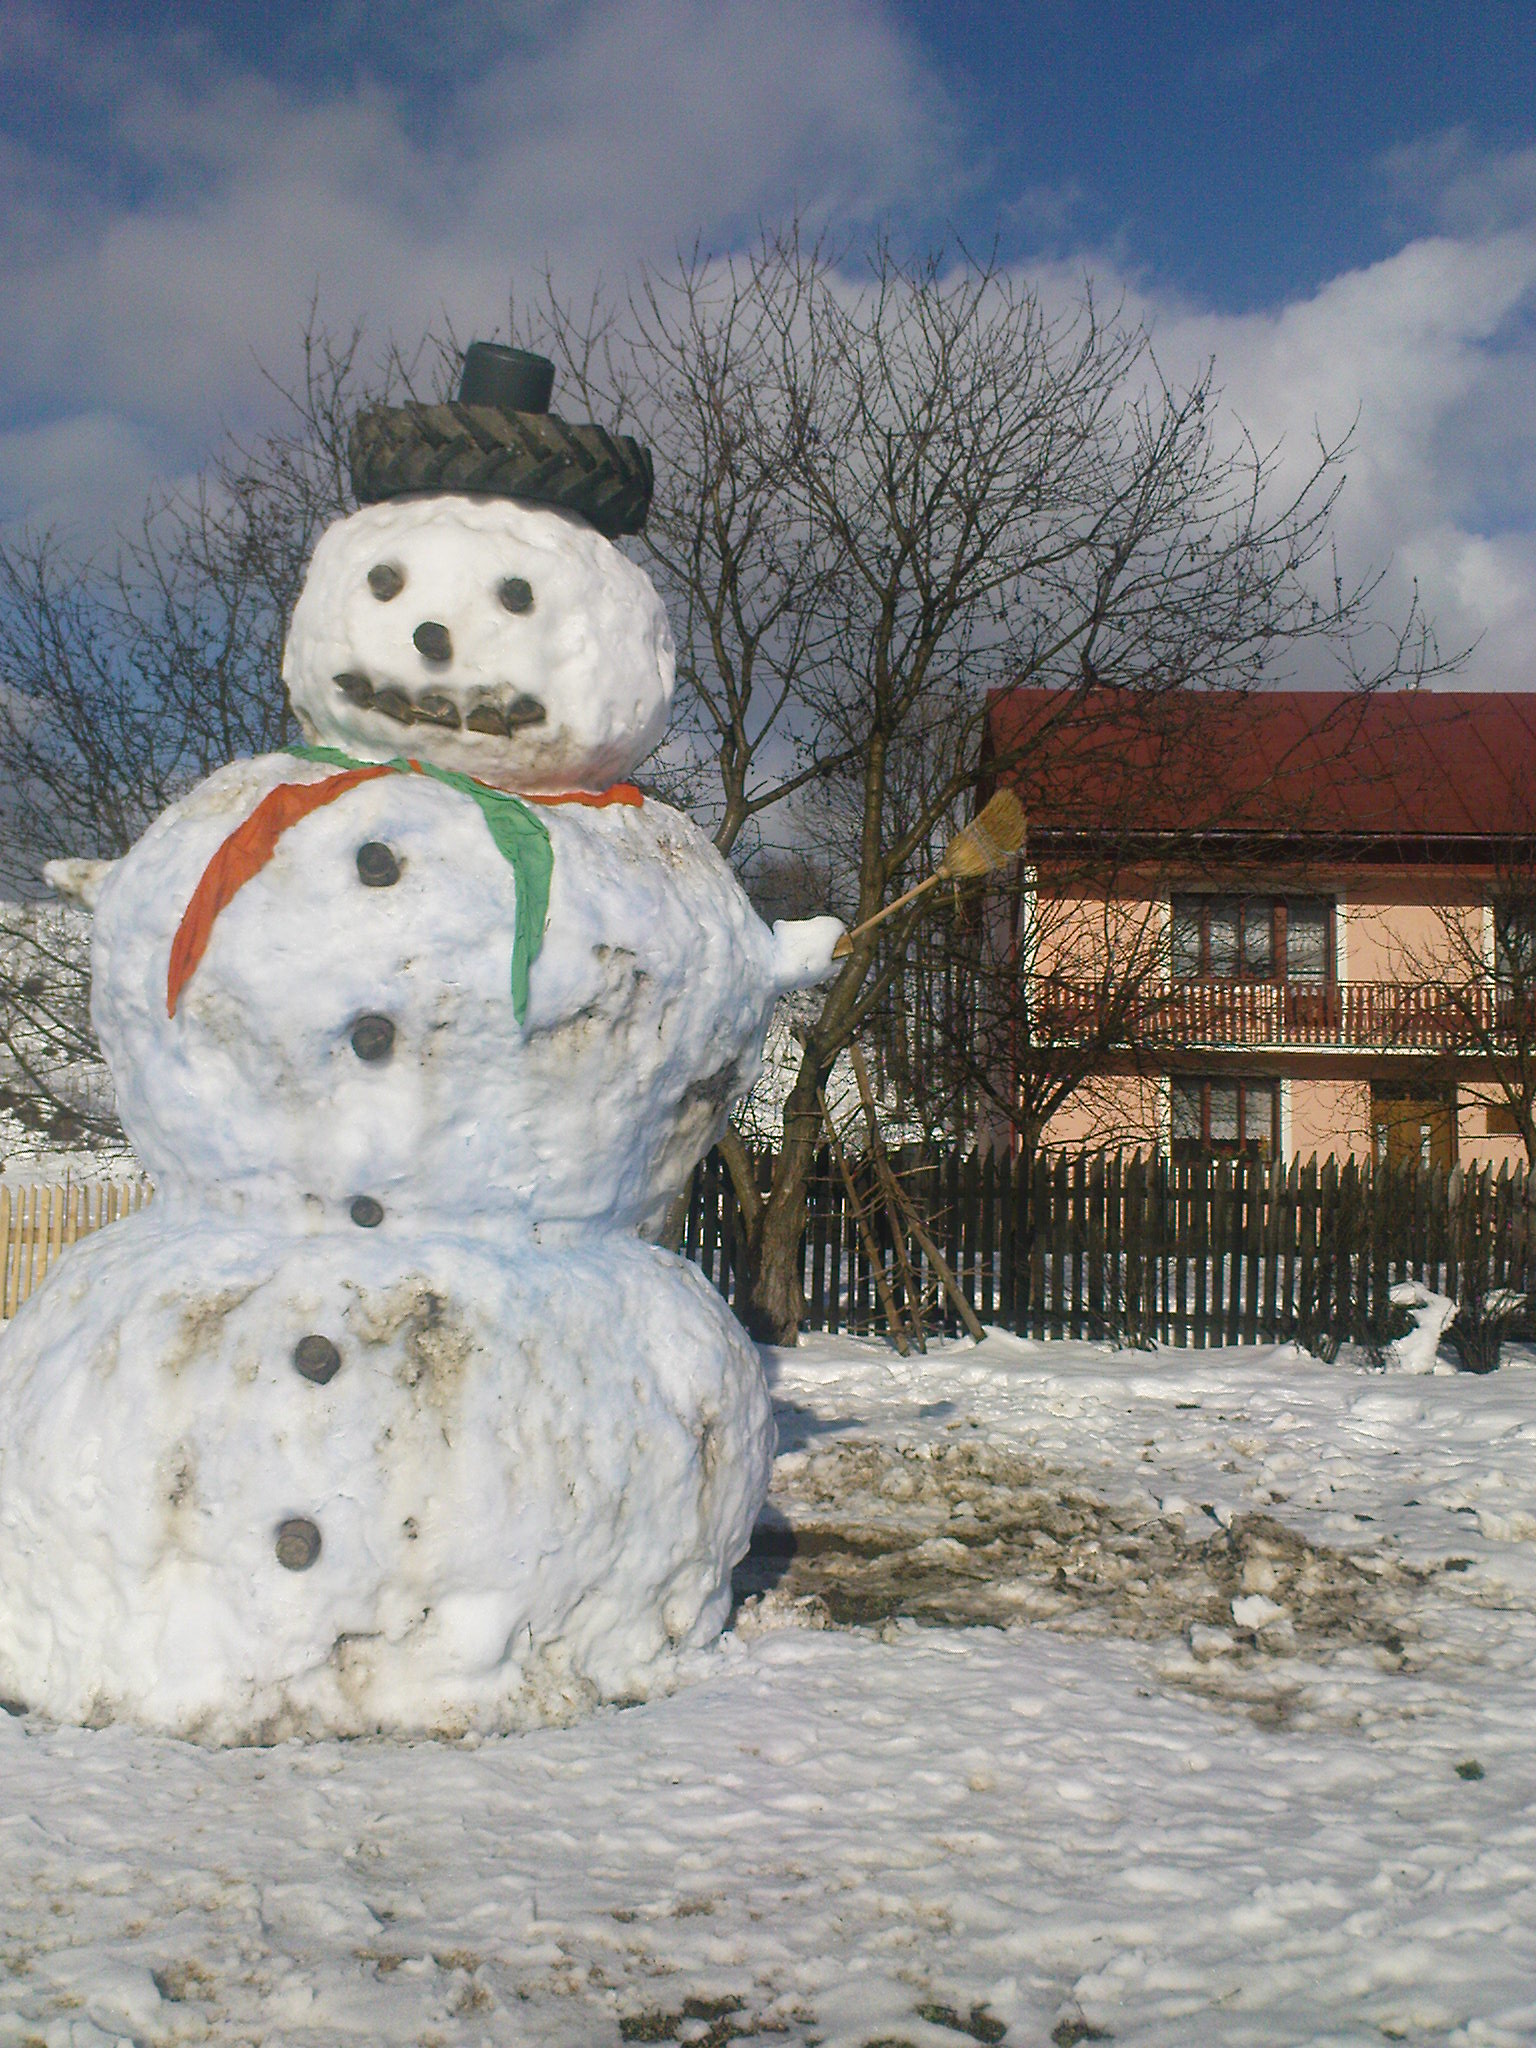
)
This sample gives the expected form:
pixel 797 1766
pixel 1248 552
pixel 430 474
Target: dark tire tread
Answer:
pixel 607 478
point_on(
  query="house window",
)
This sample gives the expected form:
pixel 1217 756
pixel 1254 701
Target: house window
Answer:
pixel 1308 939
pixel 1225 1114
pixel 1251 938
pixel 1514 938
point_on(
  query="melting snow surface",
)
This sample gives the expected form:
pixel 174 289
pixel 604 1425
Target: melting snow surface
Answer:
pixel 1284 1828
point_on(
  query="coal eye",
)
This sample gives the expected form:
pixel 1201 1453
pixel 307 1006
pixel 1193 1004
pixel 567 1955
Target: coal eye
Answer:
pixel 386 581
pixel 516 594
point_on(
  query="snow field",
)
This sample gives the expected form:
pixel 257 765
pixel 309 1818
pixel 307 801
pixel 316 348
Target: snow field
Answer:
pixel 896 1833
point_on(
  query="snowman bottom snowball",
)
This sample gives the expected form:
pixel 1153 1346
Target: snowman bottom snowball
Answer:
pixel 436 1489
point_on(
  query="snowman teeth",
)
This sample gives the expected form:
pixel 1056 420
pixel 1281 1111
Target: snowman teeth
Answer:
pixel 396 705
pixel 503 720
pixel 435 708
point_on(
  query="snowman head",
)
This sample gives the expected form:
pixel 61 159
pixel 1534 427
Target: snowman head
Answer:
pixel 505 639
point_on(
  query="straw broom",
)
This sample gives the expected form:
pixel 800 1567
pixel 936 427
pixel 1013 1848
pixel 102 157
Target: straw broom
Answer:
pixel 994 835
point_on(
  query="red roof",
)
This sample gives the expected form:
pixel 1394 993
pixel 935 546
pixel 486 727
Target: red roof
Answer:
pixel 1399 766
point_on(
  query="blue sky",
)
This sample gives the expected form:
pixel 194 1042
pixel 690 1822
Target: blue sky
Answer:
pixel 1240 153
pixel 1338 202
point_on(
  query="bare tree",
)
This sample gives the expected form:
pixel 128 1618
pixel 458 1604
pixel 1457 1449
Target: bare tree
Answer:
pixel 1058 1011
pixel 125 680
pixel 55 1090
pixel 1473 984
pixel 884 489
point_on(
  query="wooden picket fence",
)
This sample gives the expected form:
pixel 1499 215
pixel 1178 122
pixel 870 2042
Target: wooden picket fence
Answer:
pixel 1139 1248
pixel 37 1222
pixel 1132 1247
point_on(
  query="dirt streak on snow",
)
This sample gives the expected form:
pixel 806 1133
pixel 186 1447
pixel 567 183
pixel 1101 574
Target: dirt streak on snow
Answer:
pixel 898 1832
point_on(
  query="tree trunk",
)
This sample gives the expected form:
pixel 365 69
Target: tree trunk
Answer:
pixel 776 1303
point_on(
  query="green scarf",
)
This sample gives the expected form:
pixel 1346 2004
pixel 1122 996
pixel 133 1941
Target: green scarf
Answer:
pixel 522 840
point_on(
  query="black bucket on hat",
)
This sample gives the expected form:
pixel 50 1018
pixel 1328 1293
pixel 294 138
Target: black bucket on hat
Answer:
pixel 499 439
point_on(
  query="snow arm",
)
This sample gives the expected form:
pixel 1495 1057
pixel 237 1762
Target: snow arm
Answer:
pixel 802 951
pixel 78 880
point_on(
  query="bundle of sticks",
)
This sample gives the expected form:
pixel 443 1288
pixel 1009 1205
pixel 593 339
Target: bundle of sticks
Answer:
pixel 904 1319
pixel 994 836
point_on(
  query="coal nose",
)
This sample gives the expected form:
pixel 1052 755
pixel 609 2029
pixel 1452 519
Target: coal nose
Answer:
pixel 432 640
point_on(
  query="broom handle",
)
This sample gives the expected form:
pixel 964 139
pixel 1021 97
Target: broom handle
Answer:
pixel 844 945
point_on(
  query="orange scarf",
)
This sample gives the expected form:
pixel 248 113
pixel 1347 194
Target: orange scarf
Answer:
pixel 251 845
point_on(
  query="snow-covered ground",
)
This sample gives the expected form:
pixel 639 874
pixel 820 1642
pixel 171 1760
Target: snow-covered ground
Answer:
pixel 1107 1806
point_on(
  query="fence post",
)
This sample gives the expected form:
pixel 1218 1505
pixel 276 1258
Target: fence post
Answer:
pixel 1501 1213
pixel 1384 1185
pixel 953 1246
pixel 1004 1172
pixel 1203 1190
pixel 1253 1252
pixel 1346 1254
pixel 1095 1325
pixel 1328 1207
pixel 1274 1192
pixel 986 1297
pixel 1134 1318
pixel 1039 1238
pixel 1290 1247
pixel 1461 1204
pixel 1246 1185
pixel 1059 1227
pixel 1079 1241
pixel 30 1199
pixel 1023 1246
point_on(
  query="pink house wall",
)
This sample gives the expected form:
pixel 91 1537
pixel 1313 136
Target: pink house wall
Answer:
pixel 1392 925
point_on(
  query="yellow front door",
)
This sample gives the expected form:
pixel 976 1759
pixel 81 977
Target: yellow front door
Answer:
pixel 1412 1130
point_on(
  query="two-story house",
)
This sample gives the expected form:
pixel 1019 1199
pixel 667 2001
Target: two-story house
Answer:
pixel 1300 912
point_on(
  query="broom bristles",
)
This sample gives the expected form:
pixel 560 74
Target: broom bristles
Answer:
pixel 993 836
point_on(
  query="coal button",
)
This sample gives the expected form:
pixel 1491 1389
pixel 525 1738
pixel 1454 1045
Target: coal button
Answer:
pixel 367 1214
pixel 317 1359
pixel 373 1037
pixel 298 1544
pixel 377 867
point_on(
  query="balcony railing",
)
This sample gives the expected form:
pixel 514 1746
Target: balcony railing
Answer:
pixel 1368 1015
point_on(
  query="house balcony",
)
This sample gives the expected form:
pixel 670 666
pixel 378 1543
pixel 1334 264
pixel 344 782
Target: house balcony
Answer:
pixel 1365 1016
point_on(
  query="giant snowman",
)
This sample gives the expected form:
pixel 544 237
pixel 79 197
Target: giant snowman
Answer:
pixel 384 1416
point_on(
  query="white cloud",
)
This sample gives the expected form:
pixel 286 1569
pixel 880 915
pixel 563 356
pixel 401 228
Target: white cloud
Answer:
pixel 629 126
pixel 143 282
pixel 1448 182
pixel 84 474
pixel 1431 355
pixel 1427 359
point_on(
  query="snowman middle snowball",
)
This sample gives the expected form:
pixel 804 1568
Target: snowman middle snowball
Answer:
pixel 341 1088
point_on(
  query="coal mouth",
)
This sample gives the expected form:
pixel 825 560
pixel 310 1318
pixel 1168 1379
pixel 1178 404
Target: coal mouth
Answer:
pixel 497 718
